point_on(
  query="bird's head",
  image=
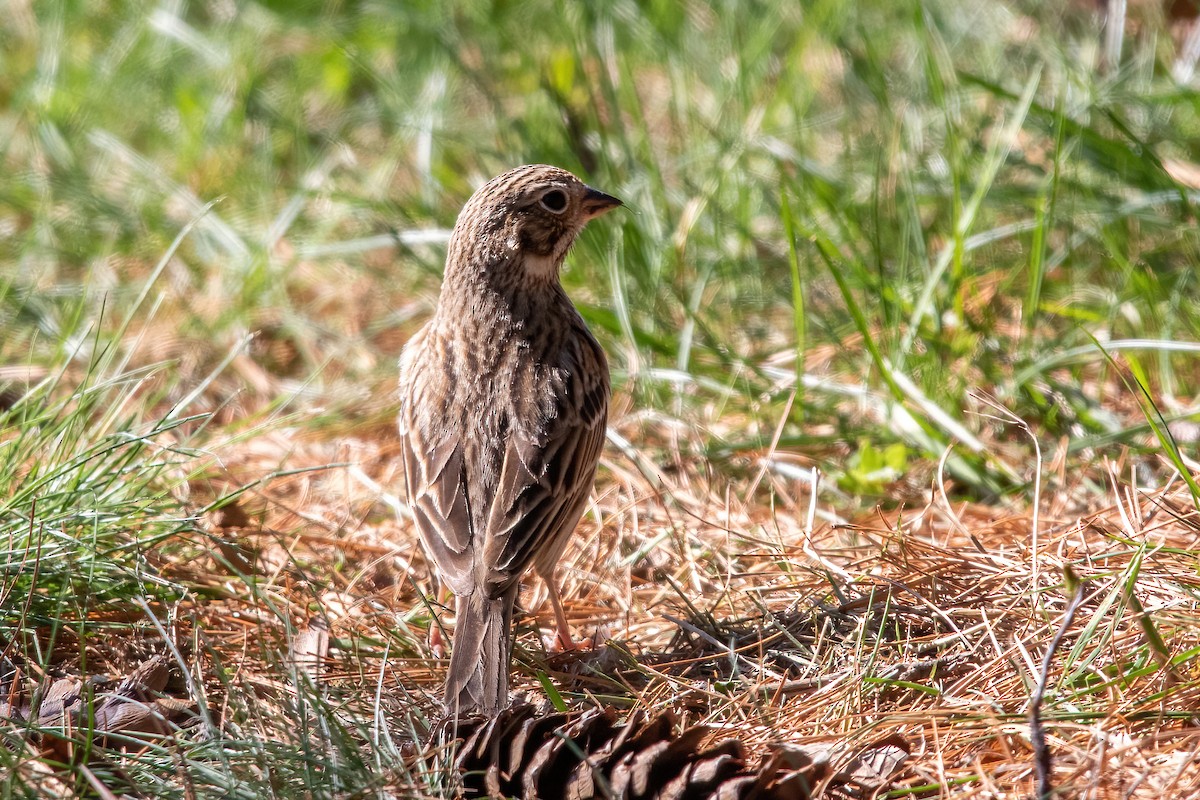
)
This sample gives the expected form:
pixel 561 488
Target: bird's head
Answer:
pixel 522 223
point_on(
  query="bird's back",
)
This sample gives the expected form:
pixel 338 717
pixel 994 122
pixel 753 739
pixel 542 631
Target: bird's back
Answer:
pixel 494 410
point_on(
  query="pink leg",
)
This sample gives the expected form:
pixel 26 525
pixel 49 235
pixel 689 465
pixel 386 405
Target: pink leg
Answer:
pixel 562 637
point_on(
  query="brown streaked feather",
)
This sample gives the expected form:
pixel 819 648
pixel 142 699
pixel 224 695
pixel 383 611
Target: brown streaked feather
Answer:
pixel 433 468
pixel 532 511
pixel 494 529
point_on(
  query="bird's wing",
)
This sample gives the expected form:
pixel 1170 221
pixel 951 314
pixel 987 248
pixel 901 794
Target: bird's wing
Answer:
pixel 436 483
pixel 544 481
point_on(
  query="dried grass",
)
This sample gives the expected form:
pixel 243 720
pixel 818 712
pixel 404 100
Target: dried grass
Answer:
pixel 724 602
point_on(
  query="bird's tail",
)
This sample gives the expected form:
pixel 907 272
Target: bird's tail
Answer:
pixel 477 682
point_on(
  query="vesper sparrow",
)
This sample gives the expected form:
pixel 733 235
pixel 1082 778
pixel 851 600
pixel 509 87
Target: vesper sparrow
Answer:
pixel 504 406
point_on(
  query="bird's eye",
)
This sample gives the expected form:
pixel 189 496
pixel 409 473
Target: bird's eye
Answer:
pixel 554 201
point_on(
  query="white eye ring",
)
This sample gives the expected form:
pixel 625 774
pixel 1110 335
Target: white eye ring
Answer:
pixel 554 201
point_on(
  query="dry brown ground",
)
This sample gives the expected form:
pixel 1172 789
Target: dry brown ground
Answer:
pixel 735 603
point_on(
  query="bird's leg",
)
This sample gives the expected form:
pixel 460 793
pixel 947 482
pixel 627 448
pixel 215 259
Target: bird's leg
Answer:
pixel 563 642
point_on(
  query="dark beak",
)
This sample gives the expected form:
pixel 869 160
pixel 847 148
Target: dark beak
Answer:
pixel 596 202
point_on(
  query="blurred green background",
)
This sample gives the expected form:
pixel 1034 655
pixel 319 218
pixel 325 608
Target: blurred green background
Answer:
pixel 898 203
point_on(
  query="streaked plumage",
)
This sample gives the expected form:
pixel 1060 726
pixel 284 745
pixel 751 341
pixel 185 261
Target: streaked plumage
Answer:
pixel 504 398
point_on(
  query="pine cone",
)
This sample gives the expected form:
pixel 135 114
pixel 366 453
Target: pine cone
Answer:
pixel 520 753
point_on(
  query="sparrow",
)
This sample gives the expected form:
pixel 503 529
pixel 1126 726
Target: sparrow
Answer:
pixel 504 405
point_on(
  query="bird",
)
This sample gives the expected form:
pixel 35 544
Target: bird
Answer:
pixel 503 410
